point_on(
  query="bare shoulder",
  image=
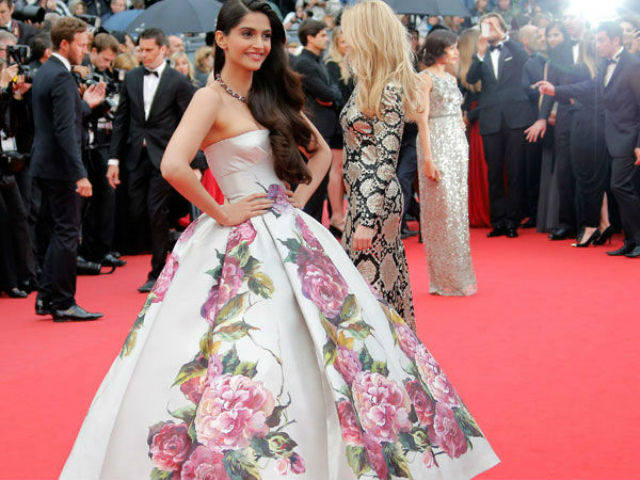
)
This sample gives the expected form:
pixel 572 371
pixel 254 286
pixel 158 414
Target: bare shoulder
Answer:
pixel 425 80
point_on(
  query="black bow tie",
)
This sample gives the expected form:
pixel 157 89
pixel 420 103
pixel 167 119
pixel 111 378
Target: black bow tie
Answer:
pixel 495 47
pixel 150 72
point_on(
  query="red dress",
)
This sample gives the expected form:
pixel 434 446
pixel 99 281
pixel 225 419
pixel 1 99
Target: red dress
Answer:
pixel 478 179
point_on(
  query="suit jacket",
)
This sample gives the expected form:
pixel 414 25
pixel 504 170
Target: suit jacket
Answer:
pixel 318 86
pixel 503 98
pixel 562 70
pixel 58 111
pixel 620 100
pixel 131 128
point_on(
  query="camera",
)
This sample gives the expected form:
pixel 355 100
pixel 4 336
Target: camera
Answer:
pixel 20 55
pixel 112 81
pixel 29 13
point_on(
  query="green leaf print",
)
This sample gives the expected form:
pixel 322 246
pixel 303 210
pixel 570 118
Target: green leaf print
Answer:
pixel 235 331
pixel 193 369
pixel 186 414
pixel 157 474
pixel 261 285
pixel 279 443
pixel 241 465
pixel 466 422
pixel 357 459
pixel 329 353
pixel 380 367
pixel 248 369
pixel 234 307
pixel 396 460
pixel 365 359
pixel 230 361
pixel 350 308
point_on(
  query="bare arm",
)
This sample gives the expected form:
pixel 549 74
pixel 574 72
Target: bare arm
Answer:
pixel 319 163
pixel 196 123
pixel 424 134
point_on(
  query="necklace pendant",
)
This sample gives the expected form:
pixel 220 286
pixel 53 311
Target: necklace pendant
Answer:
pixel 228 89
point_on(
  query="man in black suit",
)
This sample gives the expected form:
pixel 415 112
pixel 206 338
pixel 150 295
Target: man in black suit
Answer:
pixel 505 112
pixel 321 93
pixel 153 98
pixel 617 86
pixel 56 164
pixel 22 31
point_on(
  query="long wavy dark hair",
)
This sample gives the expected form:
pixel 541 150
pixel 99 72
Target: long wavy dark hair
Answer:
pixel 276 98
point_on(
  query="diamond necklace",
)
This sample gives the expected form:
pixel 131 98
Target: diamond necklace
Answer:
pixel 229 90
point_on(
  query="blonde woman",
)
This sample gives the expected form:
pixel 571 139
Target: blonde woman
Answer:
pixel 387 90
pixel 341 76
pixel 203 64
pixel 180 62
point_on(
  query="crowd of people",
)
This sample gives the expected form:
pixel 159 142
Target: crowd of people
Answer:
pixel 552 135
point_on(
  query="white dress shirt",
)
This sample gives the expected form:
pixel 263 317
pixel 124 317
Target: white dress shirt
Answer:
pixel 150 86
pixel 64 61
pixel 495 60
pixel 576 52
pixel 612 66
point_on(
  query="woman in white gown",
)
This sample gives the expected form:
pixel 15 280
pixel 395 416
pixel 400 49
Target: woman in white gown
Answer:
pixel 261 352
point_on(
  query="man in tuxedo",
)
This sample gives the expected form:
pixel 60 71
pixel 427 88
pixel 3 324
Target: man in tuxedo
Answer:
pixel 617 86
pixel 505 112
pixel 321 95
pixel 56 165
pixel 22 31
pixel 153 98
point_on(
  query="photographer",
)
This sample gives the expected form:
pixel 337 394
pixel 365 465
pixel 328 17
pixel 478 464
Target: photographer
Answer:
pixel 17 263
pixel 22 31
pixel 99 217
pixel 56 165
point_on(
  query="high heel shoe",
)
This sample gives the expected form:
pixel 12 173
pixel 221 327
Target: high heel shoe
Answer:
pixel 594 236
pixel 604 236
pixel 336 230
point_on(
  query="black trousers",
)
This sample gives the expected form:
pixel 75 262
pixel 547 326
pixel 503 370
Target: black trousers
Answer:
pixel 623 186
pixel 531 178
pixel 406 169
pixel 61 205
pixel 150 198
pixel 590 165
pixel 98 223
pixel 565 174
pixel 505 153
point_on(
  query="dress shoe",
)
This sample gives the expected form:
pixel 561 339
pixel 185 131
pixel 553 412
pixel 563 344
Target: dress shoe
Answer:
pixel 110 261
pixel 406 233
pixel 635 253
pixel 115 253
pixel 512 233
pixel 75 313
pixel 497 232
pixel 43 307
pixel 15 292
pixel 604 237
pixel 628 247
pixel 562 233
pixel 147 286
pixel 530 223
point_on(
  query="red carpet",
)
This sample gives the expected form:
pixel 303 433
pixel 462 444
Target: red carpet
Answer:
pixel 545 356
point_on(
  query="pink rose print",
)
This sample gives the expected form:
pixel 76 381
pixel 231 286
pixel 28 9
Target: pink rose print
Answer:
pixel 297 464
pixel 422 404
pixel 351 433
pixel 226 289
pixel 321 282
pixel 193 388
pixel 383 407
pixel 283 466
pixel 188 232
pixel 307 235
pixel 376 459
pixel 429 459
pixel 168 445
pixel 278 196
pixel 408 341
pixel 233 409
pixel 164 280
pixel 347 364
pixel 435 379
pixel 446 433
pixel 244 232
pixel 204 464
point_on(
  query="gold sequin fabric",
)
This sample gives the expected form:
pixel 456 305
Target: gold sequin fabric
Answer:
pixel 444 216
pixel 371 147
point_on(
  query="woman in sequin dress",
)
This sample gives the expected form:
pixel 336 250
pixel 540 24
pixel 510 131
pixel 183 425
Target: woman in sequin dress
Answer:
pixel 443 174
pixel 387 92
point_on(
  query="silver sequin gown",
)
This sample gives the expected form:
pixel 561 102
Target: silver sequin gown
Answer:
pixel 444 205
pixel 371 147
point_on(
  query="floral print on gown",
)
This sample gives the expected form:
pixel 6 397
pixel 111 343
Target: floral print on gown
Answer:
pixel 371 147
pixel 263 354
pixel 444 216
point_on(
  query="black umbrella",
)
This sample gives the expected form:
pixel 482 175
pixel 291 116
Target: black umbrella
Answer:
pixel 429 7
pixel 178 16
